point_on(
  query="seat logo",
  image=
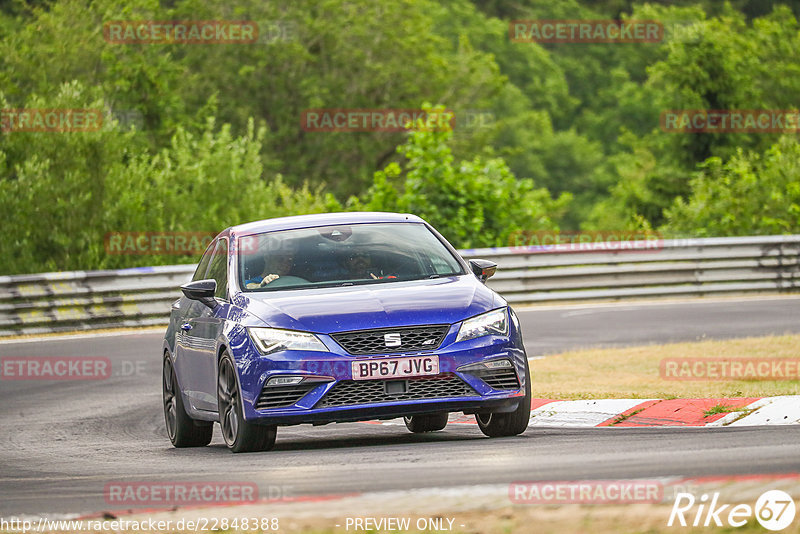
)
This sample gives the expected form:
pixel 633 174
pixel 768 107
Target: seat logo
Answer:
pixel 392 340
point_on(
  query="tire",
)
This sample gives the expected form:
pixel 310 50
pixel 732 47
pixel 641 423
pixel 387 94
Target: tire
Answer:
pixel 183 431
pixel 496 425
pixel 426 423
pixel 239 435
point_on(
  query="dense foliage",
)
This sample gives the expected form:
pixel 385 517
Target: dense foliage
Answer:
pixel 199 137
pixel 475 203
pixel 749 194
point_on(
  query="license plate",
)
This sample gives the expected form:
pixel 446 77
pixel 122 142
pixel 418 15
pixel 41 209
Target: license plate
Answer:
pixel 396 367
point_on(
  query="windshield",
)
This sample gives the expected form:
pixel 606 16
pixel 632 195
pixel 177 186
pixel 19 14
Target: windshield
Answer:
pixel 342 255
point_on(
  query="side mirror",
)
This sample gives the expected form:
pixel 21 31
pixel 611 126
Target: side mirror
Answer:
pixel 483 269
pixel 202 291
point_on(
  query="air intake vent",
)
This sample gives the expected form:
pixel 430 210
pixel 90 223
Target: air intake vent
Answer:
pixel 352 392
pixel 499 378
pixel 283 396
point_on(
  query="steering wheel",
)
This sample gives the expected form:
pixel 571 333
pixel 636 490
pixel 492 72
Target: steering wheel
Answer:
pixel 287 281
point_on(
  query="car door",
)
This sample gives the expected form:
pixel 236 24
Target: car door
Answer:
pixel 188 339
pixel 206 328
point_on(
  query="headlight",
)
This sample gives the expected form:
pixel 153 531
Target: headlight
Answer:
pixel 271 340
pixel 494 322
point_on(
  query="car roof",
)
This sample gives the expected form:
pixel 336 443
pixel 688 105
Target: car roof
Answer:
pixel 320 219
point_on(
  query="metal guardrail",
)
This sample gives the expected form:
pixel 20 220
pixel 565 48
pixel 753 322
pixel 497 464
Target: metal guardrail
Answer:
pixel 659 268
pixel 84 300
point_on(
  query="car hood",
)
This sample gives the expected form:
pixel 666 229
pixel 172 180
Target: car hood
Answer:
pixel 391 304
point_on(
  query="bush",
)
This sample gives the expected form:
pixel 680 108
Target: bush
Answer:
pixel 62 193
pixel 751 194
pixel 475 203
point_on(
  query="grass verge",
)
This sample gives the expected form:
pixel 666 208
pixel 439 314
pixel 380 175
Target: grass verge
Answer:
pixel 634 372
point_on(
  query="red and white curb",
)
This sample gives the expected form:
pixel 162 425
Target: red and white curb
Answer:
pixel 672 412
pixel 738 411
pixel 784 410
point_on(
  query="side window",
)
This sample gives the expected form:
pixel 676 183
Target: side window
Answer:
pixel 202 267
pixel 218 269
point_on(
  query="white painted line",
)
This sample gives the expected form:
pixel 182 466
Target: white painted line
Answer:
pixel 582 413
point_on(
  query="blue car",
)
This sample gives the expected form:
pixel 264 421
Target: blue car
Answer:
pixel 339 317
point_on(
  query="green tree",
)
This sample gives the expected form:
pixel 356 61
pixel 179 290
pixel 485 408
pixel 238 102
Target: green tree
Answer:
pixel 473 203
pixel 390 56
pixel 52 187
pixel 356 54
pixel 750 194
pixel 65 192
pixel 725 62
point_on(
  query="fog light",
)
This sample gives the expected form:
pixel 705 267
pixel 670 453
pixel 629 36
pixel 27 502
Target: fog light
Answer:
pixel 284 380
pixel 498 364
pixel 482 366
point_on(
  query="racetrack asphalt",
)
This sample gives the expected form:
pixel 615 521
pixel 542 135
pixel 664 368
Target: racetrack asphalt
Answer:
pixel 62 442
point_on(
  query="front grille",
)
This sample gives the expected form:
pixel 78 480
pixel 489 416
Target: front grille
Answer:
pixel 282 396
pixel 412 338
pixel 351 392
pixel 499 378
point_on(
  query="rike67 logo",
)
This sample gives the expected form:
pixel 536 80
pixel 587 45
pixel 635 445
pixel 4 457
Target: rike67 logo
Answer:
pixel 774 510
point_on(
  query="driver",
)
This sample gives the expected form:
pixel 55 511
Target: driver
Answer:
pixel 279 263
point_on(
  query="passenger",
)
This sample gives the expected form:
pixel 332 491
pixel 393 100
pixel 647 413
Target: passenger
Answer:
pixel 358 265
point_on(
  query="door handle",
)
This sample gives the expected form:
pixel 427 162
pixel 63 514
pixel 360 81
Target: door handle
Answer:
pixel 186 326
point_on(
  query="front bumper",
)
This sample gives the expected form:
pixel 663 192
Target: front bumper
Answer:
pixel 329 373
